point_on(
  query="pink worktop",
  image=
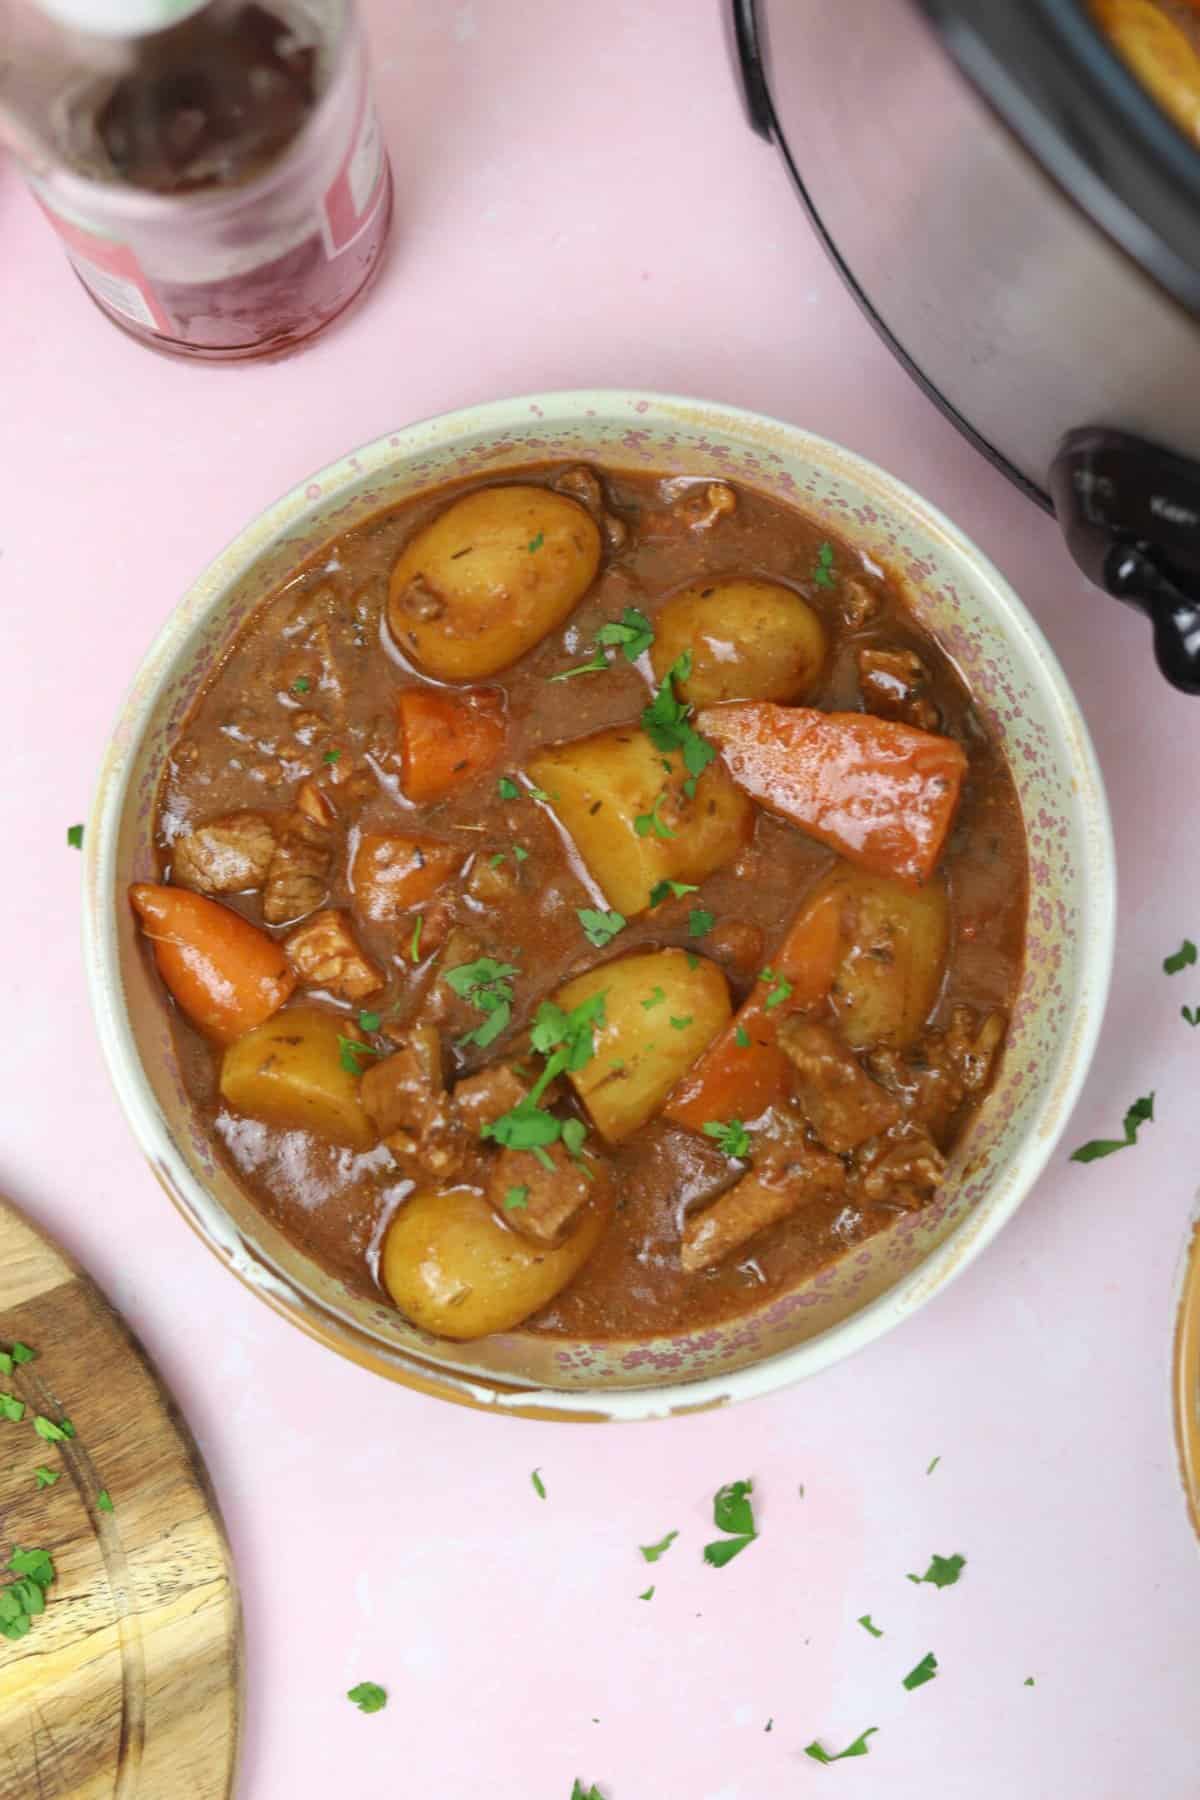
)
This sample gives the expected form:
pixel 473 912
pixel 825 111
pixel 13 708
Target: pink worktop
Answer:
pixel 580 204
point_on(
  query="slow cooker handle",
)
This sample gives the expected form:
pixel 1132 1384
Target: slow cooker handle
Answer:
pixel 1130 512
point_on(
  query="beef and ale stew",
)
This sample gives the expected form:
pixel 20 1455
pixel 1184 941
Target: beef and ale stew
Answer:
pixel 587 902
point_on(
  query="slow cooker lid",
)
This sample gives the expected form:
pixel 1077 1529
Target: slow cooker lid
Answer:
pixel 1047 70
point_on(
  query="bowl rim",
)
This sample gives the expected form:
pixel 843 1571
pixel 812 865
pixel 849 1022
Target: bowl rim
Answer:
pixel 101 955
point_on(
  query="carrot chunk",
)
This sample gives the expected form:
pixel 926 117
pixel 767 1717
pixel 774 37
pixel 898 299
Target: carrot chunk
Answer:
pixel 744 1071
pixel 226 974
pixel 446 739
pixel 881 793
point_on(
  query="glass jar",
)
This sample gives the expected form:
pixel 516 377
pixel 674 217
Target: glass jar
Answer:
pixel 215 172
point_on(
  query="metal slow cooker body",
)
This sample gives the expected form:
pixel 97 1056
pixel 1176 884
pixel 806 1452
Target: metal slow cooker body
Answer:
pixel 1019 312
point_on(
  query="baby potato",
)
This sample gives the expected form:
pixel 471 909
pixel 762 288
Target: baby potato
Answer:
pixel 489 577
pixel 892 956
pixel 289 1073
pixel 455 1270
pixel 601 786
pixel 640 1053
pixel 749 640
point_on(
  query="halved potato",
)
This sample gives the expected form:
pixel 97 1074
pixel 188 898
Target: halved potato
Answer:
pixel 660 1014
pixel 289 1073
pixel 489 577
pixel 599 788
pixel 749 640
pixel 454 1269
pixel 892 956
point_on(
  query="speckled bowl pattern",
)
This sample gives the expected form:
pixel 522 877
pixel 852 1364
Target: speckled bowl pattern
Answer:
pixel 1020 689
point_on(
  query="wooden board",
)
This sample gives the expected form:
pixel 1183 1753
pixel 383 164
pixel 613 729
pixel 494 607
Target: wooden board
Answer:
pixel 128 1686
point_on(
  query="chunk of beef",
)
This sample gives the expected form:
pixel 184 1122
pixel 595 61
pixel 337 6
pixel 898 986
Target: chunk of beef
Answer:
pixel 315 804
pixel 229 855
pixel 902 1169
pixel 894 684
pixel 538 1202
pixel 759 1199
pixel 325 953
pixel 859 604
pixel 492 883
pixel 933 1079
pixel 582 484
pixel 298 878
pixel 738 943
pixel 482 1098
pixel 405 1096
pixel 838 1098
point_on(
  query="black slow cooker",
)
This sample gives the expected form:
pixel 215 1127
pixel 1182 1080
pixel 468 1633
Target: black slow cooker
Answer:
pixel 1021 222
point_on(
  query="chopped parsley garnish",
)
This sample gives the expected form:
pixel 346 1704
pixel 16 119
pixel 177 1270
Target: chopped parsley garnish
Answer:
pixel 596 666
pixel 741 1038
pixel 731 1137
pixel 1028 1682
pixel 925 1671
pixel 933 1465
pixel 520 853
pixel 11 1408
pixel 332 756
pixel 368 1696
pixel 943 1571
pixel 516 1197
pixel 349 1051
pixel 647 824
pixel 653 999
pixel 600 928
pixel 301 684
pixel 104 1500
pixel 21 1353
pixel 733 1512
pixel 1182 958
pixel 52 1433
pixel 779 991
pixel 579 1792
pixel 667 890
pixel 1140 1113
pixel 859 1747
pixel 486 985
pixel 649 1593
pixel 535 543
pixel 75 837
pixel 23 1599
pixel 823 573
pixel 566 1041
pixel 652 1552
pixel 537 793
pixel 700 921
pixel 681 1024
pixel 693 961
pixel 495 861
pixel 45 1477
pixel 866 1624
pixel 414 948
pixel 507 789
pixel 633 634
pixel 369 1021
pixel 665 721
pixel 1191 1014
pixel 539 1486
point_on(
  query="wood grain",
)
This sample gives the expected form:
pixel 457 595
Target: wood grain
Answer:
pixel 128 1686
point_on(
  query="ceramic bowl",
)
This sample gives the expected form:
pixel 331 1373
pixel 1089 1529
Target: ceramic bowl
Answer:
pixel 1020 689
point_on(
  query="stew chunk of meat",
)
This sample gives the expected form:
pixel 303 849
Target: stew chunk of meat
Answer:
pixel 298 878
pixel 325 953
pixel 836 1095
pixel 406 1097
pixel 895 684
pixel 538 1202
pixel 759 1199
pixel 230 855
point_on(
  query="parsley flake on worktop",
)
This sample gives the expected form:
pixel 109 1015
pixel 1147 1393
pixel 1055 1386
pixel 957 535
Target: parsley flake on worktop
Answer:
pixel 858 1748
pixel 11 1408
pixel 652 1552
pixel 75 837
pixel 733 1512
pixel 45 1477
pixel 368 1696
pixel 943 1571
pixel 579 1792
pixel 925 1671
pixel 22 1600
pixel 539 1486
pixel 866 1624
pixel 649 1593
pixel 1181 958
pixel 52 1433
pixel 1139 1114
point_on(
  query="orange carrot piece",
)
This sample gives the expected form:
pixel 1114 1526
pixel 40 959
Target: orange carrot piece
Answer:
pixel 225 974
pixel 446 739
pixel 390 874
pixel 736 1080
pixel 879 792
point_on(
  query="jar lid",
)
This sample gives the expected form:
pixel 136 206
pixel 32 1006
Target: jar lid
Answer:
pixel 120 18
